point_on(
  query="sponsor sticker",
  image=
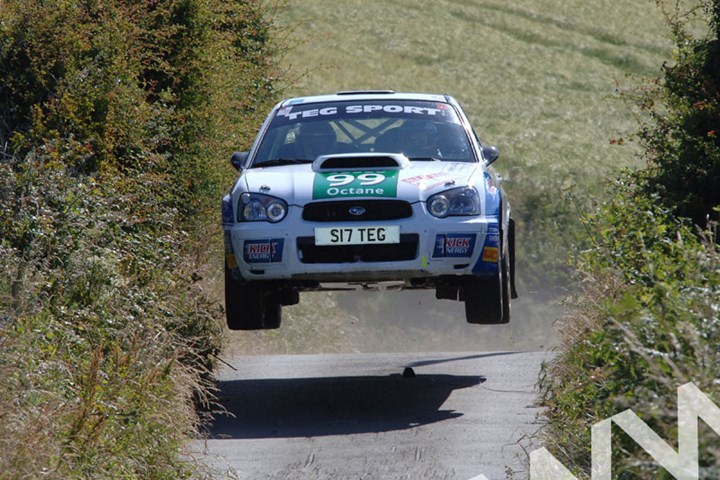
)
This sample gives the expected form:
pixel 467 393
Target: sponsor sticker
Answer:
pixel 263 251
pixel 292 113
pixel 429 181
pixel 420 179
pixel 454 245
pixel 355 184
pixel 451 172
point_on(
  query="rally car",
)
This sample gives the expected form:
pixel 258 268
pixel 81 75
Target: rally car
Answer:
pixel 371 189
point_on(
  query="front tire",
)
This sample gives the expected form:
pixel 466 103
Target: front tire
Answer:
pixel 251 305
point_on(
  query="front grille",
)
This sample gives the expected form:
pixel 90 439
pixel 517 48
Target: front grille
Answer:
pixel 339 211
pixel 392 252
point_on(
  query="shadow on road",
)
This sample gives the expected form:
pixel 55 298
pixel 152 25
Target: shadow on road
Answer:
pixel 310 407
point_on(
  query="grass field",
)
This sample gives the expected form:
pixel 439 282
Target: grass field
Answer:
pixel 540 79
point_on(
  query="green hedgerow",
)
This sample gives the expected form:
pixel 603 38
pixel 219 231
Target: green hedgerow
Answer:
pixel 118 118
pixel 646 322
pixel 647 319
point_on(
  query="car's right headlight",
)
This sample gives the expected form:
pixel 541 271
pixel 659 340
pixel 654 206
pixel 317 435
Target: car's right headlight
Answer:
pixel 257 207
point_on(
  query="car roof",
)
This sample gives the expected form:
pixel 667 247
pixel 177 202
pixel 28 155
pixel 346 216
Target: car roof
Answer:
pixel 383 95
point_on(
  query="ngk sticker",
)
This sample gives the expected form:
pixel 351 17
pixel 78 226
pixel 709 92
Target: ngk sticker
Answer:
pixel 263 251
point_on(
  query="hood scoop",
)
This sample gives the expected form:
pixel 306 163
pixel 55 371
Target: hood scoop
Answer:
pixel 360 161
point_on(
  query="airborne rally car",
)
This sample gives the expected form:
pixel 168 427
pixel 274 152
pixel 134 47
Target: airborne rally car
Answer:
pixel 369 189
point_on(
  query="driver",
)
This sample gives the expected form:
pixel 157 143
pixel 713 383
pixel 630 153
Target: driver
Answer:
pixel 420 139
pixel 315 139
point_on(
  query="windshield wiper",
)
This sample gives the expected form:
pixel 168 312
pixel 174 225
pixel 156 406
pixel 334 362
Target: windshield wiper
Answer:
pixel 280 161
pixel 425 159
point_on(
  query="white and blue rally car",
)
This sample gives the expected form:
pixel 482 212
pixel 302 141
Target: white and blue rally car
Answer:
pixel 371 189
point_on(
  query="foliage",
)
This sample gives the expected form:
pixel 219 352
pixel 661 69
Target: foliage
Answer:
pixel 647 319
pixel 682 139
pixel 98 371
pixel 117 119
pixel 645 323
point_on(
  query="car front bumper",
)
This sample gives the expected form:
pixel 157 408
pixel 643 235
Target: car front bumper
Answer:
pixel 429 247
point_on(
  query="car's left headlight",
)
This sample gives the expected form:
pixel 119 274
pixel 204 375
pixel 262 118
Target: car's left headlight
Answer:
pixel 256 207
pixel 455 202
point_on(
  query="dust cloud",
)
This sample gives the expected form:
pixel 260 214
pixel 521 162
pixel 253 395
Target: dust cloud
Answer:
pixel 415 321
pixel 404 321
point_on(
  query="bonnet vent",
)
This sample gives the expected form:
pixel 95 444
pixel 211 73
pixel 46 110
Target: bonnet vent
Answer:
pixel 364 161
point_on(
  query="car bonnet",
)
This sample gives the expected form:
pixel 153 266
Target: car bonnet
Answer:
pixel 300 184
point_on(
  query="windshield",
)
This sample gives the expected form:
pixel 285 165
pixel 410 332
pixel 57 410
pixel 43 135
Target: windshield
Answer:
pixel 420 130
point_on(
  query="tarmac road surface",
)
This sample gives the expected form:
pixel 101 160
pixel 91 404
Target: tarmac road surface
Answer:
pixel 357 416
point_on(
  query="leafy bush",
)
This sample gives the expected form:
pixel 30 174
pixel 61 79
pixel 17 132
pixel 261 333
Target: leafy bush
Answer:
pixel 647 319
pixel 117 120
pixel 682 139
pixel 645 323
pixel 96 356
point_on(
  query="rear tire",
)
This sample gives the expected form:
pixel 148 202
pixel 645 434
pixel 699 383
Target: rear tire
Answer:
pixel 251 305
pixel 507 288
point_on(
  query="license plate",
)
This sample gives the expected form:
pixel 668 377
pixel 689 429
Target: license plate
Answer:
pixel 357 235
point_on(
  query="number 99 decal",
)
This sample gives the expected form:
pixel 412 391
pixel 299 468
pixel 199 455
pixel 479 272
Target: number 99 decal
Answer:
pixel 355 184
pixel 365 179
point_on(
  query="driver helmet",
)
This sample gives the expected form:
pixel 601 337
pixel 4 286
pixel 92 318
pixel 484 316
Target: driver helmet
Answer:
pixel 420 135
pixel 316 138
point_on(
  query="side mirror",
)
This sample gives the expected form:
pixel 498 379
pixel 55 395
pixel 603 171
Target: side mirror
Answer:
pixel 238 159
pixel 490 154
